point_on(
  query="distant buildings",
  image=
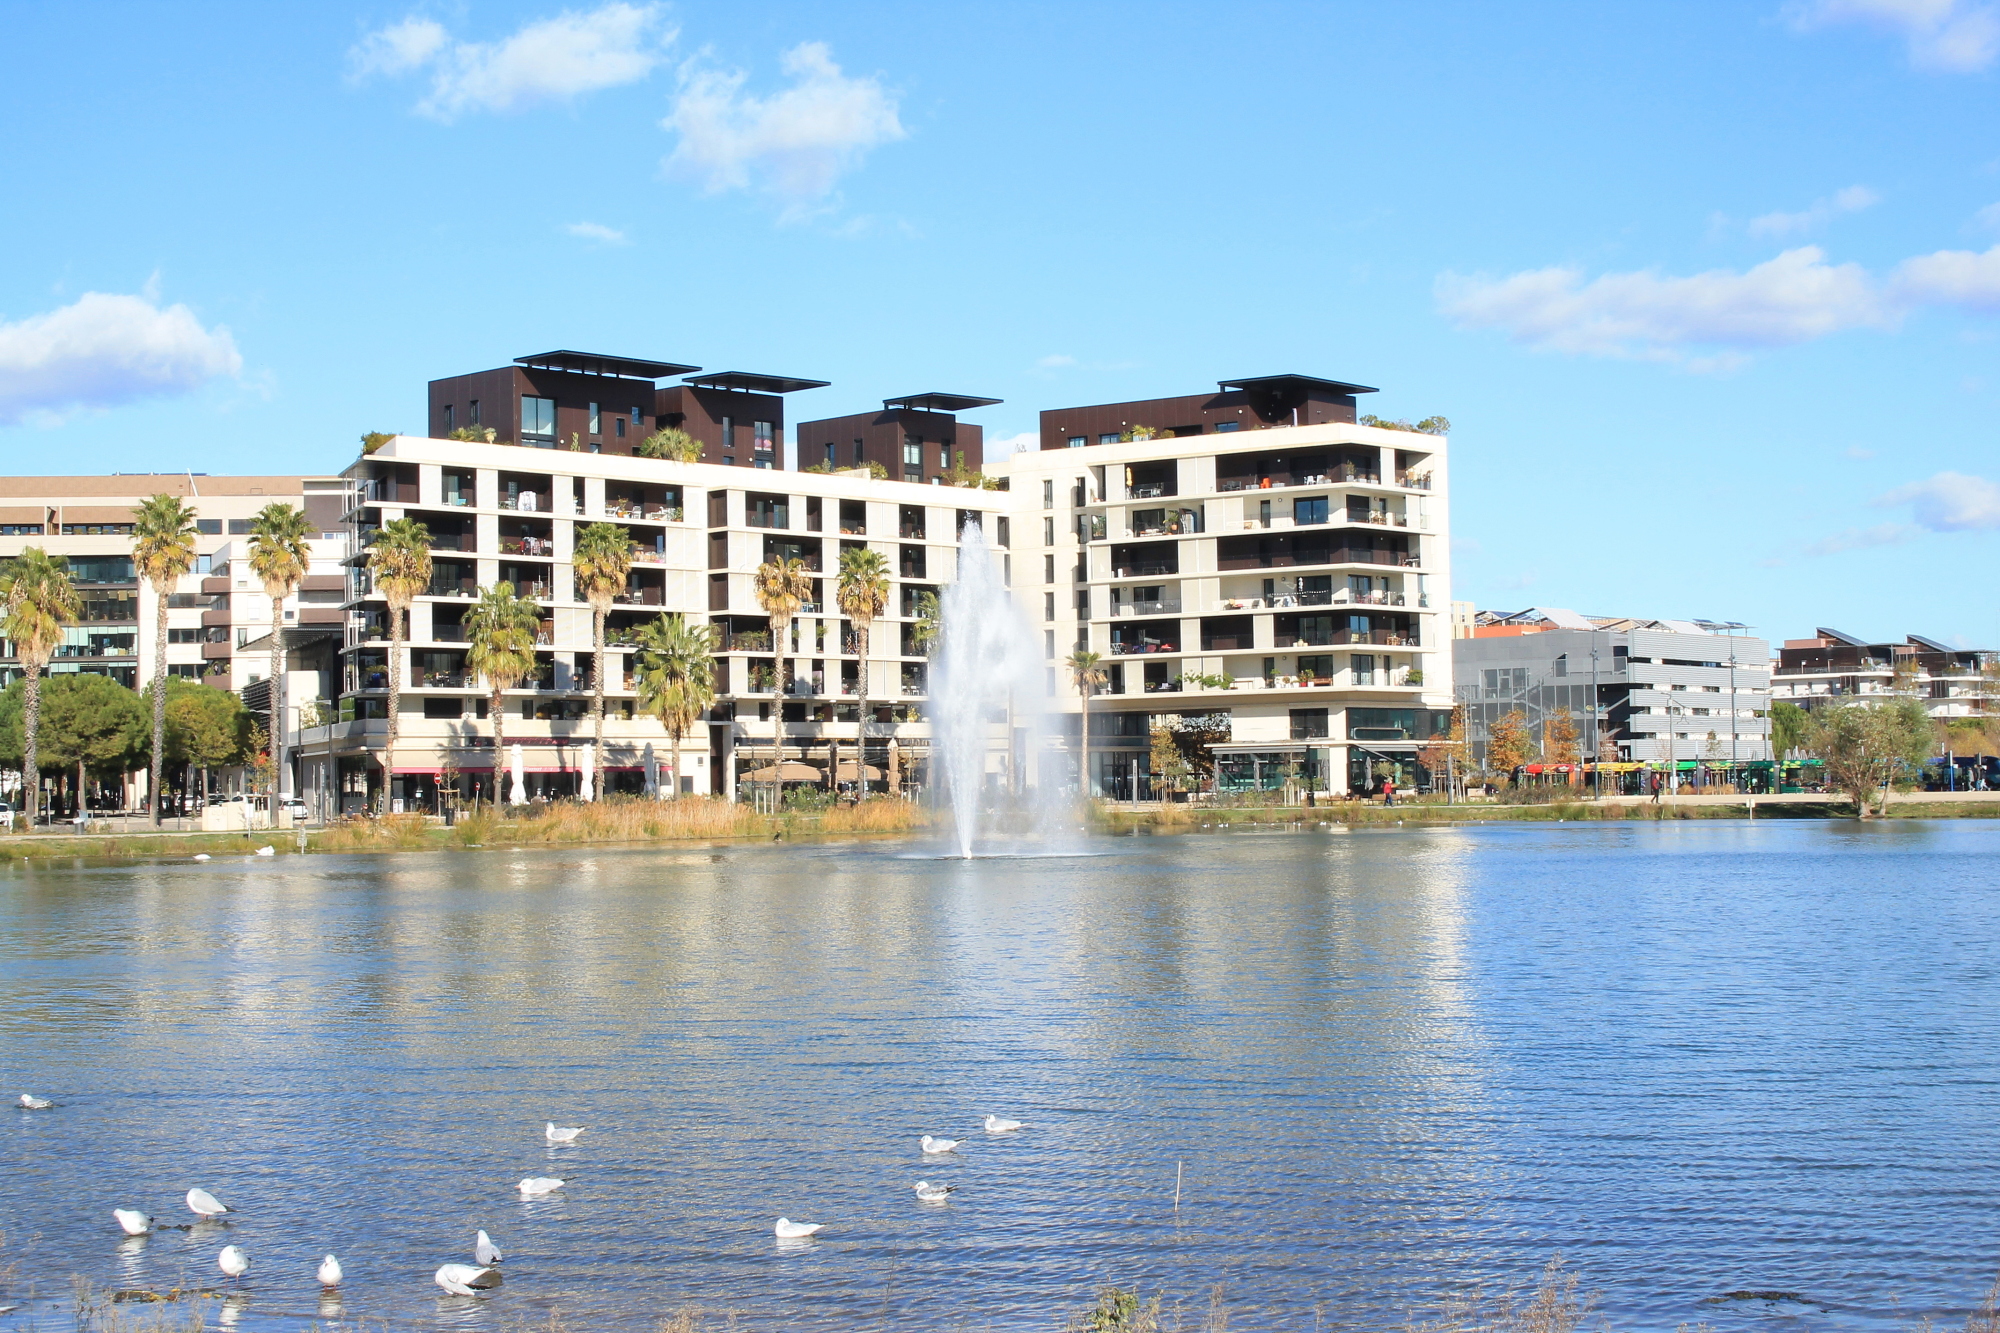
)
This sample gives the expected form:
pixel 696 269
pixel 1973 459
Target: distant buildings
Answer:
pixel 1833 667
pixel 1641 691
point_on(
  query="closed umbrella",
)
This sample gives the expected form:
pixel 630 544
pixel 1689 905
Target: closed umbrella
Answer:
pixel 586 757
pixel 519 794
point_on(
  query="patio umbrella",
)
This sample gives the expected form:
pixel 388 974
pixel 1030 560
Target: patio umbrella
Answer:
pixel 519 794
pixel 869 773
pixel 789 771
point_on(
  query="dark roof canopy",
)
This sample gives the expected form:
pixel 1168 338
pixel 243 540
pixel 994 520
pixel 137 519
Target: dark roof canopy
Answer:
pixel 1291 384
pixel 1823 632
pixel 939 402
pixel 1931 644
pixel 750 382
pixel 590 363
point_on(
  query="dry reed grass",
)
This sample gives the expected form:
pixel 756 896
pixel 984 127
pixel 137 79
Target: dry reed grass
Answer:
pixel 881 816
pixel 630 820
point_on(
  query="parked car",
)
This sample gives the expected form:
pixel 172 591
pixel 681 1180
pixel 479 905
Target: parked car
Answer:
pixel 7 816
pixel 296 808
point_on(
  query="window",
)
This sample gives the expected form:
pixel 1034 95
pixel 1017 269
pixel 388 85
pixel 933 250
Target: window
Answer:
pixel 239 527
pixel 443 708
pixel 596 420
pixel 1309 511
pixel 1000 531
pixel 185 670
pixel 829 455
pixel 1077 441
pixel 1388 724
pixel 472 412
pixel 538 418
pixel 20 529
pixel 860 454
pixel 208 527
pixel 1048 569
pixel 1363 667
pixel 761 438
pixel 184 635
pixel 729 434
pixel 188 601
pixel 1048 532
pixel 97 529
pixel 448 414
pixel 1048 643
pixel 1049 493
pixel 1222 426
pixel 913 451
pixel 1109 438
pixel 636 422
pixel 1048 606
pixel 618 427
pixel 1309 724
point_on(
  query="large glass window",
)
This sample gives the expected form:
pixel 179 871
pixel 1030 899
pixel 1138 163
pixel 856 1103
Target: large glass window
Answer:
pixel 761 436
pixel 1312 510
pixel 596 420
pixel 1363 667
pixel 1308 724
pixel 538 418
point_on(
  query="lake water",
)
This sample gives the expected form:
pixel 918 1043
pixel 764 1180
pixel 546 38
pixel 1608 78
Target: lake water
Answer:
pixel 1692 1057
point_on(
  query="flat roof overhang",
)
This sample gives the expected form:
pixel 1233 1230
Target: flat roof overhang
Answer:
pixel 745 381
pixel 1292 384
pixel 592 363
pixel 939 402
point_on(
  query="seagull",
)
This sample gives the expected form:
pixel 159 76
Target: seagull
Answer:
pixel 30 1102
pixel 267 851
pixel 203 1204
pixel 996 1125
pixel 790 1230
pixel 464 1279
pixel 558 1134
pixel 329 1272
pixel 485 1251
pixel 201 856
pixel 929 1193
pixel 933 1147
pixel 233 1261
pixel 533 1185
pixel 132 1221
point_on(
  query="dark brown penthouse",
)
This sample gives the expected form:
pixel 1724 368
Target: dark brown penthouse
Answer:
pixel 915 438
pixel 607 404
pixel 1249 404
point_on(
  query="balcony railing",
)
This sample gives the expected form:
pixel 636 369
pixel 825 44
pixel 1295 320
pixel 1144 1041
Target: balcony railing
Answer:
pixel 1142 649
pixel 1163 687
pixel 644 513
pixel 1148 569
pixel 1416 481
pixel 1161 608
pixel 527 546
pixel 1150 491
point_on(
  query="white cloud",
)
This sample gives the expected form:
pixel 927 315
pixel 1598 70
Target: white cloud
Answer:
pixel 1850 200
pixel 1950 277
pixel 1949 502
pixel 105 350
pixel 1792 298
pixel 1861 539
pixel 550 60
pixel 1957 36
pixel 795 144
pixel 1989 216
pixel 999 446
pixel 1055 361
pixel 596 231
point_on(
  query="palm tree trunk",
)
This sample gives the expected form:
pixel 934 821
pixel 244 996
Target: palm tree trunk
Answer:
pixel 31 771
pixel 395 704
pixel 1083 782
pixel 861 632
pixel 499 710
pixel 597 703
pixel 781 637
pixel 159 704
pixel 275 700
pixel 674 766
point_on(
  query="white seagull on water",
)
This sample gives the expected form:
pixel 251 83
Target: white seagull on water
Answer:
pixel 205 1205
pixel 929 1193
pixel 790 1230
pixel 485 1251
pixel 533 1185
pixel 267 851
pixel 997 1125
pixel 233 1261
pixel 329 1272
pixel 132 1222
pixel 933 1147
pixel 465 1279
pixel 201 856
pixel 559 1134
pixel 30 1102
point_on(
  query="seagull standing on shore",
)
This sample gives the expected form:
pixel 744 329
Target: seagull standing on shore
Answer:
pixel 30 1102
pixel 559 1134
pixel 936 1147
pixel 790 1230
pixel 205 1205
pixel 996 1125
pixel 234 1262
pixel 132 1222
pixel 329 1272
pixel 465 1279
pixel 534 1185
pixel 485 1251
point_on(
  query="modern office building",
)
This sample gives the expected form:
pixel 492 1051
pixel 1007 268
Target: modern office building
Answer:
pixel 1644 691
pixel 915 438
pixel 1250 562
pixel 219 618
pixel 586 403
pixel 1832 667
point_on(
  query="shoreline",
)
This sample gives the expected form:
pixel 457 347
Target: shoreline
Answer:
pixel 715 822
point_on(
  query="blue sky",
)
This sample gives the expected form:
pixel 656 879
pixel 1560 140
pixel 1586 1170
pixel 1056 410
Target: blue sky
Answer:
pixel 1710 291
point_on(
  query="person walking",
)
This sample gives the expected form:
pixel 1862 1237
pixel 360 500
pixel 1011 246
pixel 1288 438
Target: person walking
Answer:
pixel 1388 791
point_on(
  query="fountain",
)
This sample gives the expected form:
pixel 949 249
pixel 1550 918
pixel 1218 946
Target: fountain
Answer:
pixel 988 670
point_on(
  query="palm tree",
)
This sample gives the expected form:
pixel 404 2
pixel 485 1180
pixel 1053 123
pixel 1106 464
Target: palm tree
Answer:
pixel 676 676
pixel 40 603
pixel 500 633
pixel 602 562
pixel 1089 676
pixel 782 587
pixel 163 534
pixel 399 565
pixel 863 596
pixel 280 555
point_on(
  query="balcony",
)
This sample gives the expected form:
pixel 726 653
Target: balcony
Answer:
pixel 446 680
pixel 644 513
pixel 646 555
pixel 1160 608
pixel 1143 648
pixel 541 546
pixel 1150 491
pixel 1416 481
